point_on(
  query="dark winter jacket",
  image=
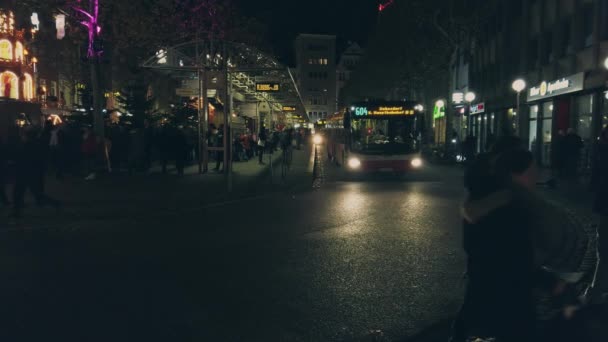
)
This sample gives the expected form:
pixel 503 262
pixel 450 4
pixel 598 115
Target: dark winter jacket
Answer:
pixel 511 236
pixel 600 171
pixel 500 267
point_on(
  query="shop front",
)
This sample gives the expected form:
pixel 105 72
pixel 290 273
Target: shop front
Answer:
pixel 553 109
pixel 482 126
pixel 439 123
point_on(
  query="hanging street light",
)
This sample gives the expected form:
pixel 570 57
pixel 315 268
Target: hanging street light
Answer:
pixel 470 96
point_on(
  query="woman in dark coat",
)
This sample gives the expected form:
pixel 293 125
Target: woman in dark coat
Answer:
pixel 498 237
pixel 600 206
pixel 500 261
pixel 601 175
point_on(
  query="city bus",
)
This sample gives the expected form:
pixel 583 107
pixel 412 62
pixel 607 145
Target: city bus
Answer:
pixel 376 137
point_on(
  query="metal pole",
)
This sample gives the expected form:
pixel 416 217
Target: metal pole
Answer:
pixel 231 133
pixel 518 114
pixel 271 151
pixel 201 104
pixel 98 123
pixel 205 121
pixel 226 122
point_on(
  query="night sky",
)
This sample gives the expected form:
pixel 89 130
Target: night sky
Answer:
pixel 348 19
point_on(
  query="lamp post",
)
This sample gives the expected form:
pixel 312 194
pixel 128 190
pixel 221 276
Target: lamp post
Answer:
pixel 518 85
pixel 470 97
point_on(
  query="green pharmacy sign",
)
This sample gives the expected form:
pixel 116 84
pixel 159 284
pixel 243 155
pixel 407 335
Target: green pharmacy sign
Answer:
pixel 438 112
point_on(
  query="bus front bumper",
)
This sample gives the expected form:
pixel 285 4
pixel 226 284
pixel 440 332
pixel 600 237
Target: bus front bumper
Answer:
pixel 355 164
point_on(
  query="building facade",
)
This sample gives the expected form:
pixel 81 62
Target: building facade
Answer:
pixel 17 66
pixel 346 66
pixel 559 48
pixel 316 74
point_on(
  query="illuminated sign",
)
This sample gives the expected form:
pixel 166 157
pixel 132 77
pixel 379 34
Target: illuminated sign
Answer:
pixel 397 110
pixel 562 86
pixel 289 108
pixel 477 108
pixel 360 111
pixel 267 87
pixel 458 97
pixel 60 25
pixel 383 111
pixel 438 112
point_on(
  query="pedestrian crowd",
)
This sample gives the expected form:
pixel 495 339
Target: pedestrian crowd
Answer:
pixel 73 149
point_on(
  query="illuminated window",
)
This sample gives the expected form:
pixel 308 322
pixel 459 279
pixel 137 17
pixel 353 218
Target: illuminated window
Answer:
pixel 6 50
pixel 9 85
pixel 28 87
pixel 19 52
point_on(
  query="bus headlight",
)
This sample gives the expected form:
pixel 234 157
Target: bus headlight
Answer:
pixel 354 163
pixel 416 162
pixel 317 139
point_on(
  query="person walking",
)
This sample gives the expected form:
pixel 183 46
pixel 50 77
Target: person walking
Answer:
pixel 3 172
pixel 573 145
pixel 164 142
pixel 500 240
pixel 30 160
pixel 89 153
pixel 248 142
pixel 468 149
pixel 298 139
pixel 137 146
pixel 261 145
pixel 57 151
pixel 559 154
pixel 219 142
pixel 180 149
pixel 148 141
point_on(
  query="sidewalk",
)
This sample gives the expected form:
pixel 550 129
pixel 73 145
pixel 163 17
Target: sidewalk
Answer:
pixel 123 197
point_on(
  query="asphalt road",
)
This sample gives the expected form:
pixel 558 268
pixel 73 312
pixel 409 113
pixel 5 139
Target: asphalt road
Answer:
pixel 348 261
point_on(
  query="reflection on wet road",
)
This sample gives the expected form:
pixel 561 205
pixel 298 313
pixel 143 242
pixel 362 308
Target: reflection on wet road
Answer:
pixel 332 264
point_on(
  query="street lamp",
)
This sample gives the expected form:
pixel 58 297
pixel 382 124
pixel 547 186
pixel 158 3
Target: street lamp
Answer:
pixel 518 85
pixel 606 63
pixel 439 103
pixel 470 96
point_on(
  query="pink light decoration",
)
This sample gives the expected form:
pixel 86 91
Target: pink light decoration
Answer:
pixel 382 7
pixel 90 22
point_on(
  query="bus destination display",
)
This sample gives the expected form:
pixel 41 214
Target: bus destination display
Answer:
pixel 267 87
pixel 383 111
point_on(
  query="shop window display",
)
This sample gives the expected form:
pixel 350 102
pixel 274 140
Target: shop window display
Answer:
pixel 547 133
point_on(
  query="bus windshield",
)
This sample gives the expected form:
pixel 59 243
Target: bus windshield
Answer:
pixel 384 136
